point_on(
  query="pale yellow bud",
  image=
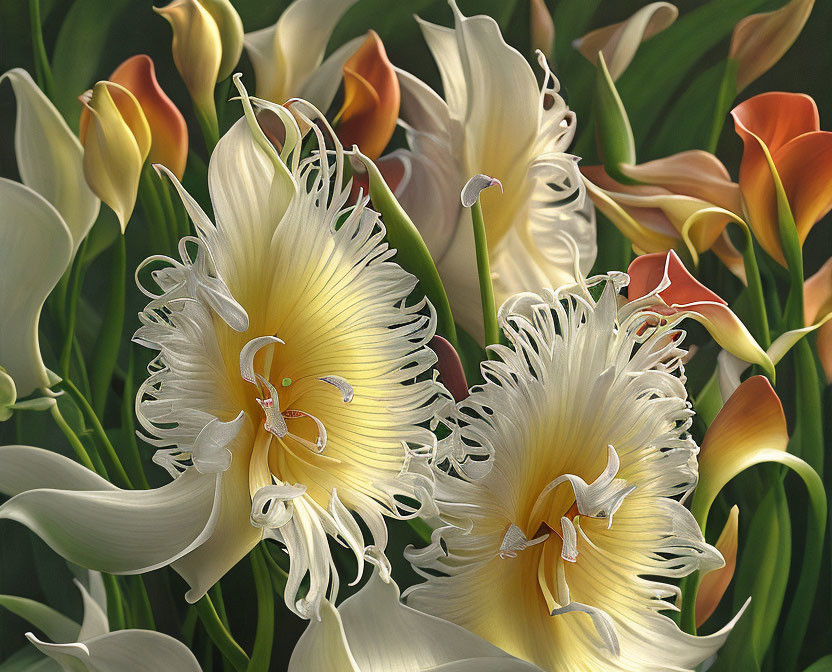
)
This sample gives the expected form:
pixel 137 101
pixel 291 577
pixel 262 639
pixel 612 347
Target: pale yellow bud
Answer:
pixel 116 144
pixel 230 26
pixel 197 49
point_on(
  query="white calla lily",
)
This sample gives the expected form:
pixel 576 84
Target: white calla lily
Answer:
pixel 43 222
pixel 50 157
pixel 558 552
pixel 494 120
pixel 35 249
pixel 372 631
pixel 288 57
pixel 91 647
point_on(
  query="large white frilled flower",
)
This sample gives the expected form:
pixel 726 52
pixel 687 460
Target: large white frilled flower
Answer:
pixel 555 547
pixel 292 388
pixel 494 120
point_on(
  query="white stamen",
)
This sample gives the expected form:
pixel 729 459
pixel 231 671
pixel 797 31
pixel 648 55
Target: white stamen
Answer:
pixel 569 552
pixel 514 541
pixel 269 505
pixel 341 383
pixel 320 443
pixel 604 625
pixel 271 407
pixel 248 352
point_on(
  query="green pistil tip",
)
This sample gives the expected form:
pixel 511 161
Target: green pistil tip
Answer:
pixel 286 382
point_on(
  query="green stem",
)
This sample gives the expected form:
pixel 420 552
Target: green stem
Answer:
pixel 169 212
pixel 115 604
pixel 42 67
pixel 264 637
pixel 220 635
pixel 278 574
pixel 132 456
pixel 72 437
pixel 808 407
pixel 206 116
pixel 219 603
pixel 189 626
pixel 152 207
pixel 758 319
pixel 725 96
pixel 141 602
pixel 107 345
pixel 489 309
pixel 76 282
pixel 421 528
pixel 98 430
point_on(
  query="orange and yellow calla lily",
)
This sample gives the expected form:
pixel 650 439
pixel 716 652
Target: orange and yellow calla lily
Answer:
pixel 371 99
pixel 664 279
pixel 672 190
pixel 168 130
pixel 786 126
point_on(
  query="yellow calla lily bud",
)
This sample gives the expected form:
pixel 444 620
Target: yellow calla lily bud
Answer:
pixel 197 51
pixel 116 143
pixel 230 26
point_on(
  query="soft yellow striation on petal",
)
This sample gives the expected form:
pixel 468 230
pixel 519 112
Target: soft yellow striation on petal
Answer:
pixel 557 554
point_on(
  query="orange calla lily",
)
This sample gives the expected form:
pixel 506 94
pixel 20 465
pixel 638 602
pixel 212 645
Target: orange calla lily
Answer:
pixel 371 99
pixel 817 303
pixel 664 279
pixel 787 126
pixel 169 132
pixel 716 582
pixel 653 214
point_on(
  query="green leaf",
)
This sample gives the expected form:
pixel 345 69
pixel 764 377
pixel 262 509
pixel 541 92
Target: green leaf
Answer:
pixel 412 253
pixel 615 136
pixel 822 665
pixel 664 61
pixel 29 659
pixel 698 112
pixel 78 51
pixel 762 573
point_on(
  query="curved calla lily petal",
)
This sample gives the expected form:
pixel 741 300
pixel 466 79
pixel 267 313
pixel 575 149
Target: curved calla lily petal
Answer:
pixel 35 249
pixel 94 524
pixel 665 277
pixel 230 27
pixel 52 623
pixel 749 426
pixel 371 99
pixel 168 130
pixel 715 583
pixel 760 40
pixel 787 126
pixel 197 48
pixel 286 55
pixel 122 651
pixel 372 631
pixel 618 43
pixel 116 143
pixel 50 158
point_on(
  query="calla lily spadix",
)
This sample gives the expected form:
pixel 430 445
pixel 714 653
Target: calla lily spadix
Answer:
pixel 292 386
pixel 556 549
pixel 494 120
